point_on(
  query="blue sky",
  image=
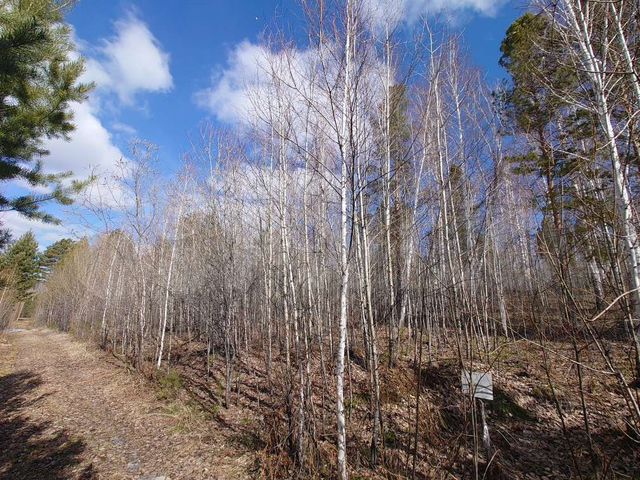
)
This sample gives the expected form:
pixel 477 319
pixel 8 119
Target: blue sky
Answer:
pixel 155 62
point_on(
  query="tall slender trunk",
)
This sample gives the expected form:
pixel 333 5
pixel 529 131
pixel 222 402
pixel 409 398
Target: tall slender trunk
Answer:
pixel 594 69
pixel 345 156
pixel 165 312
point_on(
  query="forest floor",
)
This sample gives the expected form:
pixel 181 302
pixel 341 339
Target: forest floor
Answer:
pixel 528 439
pixel 70 411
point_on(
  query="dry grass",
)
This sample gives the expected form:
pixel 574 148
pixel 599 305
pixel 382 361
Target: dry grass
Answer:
pixel 174 422
pixel 112 416
pixel 525 425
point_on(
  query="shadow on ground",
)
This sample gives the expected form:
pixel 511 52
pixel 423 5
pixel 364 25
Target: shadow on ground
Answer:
pixel 30 449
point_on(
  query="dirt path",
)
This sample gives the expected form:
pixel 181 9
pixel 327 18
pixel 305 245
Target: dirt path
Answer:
pixel 68 411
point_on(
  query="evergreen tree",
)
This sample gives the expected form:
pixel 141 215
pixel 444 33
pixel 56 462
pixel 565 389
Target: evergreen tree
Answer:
pixel 20 264
pixel 537 113
pixel 38 81
pixel 53 254
pixel 5 238
pixel 561 144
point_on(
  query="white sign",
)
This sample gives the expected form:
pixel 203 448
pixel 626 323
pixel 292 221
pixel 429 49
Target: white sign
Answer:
pixel 480 383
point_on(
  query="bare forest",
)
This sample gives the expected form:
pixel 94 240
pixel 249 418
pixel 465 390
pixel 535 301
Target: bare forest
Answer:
pixel 321 278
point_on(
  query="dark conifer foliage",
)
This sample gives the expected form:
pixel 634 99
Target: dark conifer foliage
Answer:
pixel 39 72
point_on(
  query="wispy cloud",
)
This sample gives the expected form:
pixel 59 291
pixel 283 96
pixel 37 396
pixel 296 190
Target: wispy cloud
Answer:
pixel 394 11
pixel 124 129
pixel 45 233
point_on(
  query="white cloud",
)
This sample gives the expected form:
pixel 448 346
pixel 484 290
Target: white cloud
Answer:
pixel 90 147
pixel 90 151
pixel 259 82
pixel 286 87
pixel 228 97
pixel 131 62
pixel 124 129
pixel 45 233
pixel 391 11
pixel 244 87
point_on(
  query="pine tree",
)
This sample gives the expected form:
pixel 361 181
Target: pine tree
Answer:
pixel 38 81
pixel 20 264
pixel 53 254
pixel 538 114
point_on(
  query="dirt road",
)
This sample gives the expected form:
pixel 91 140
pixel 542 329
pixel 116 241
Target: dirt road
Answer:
pixel 69 411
